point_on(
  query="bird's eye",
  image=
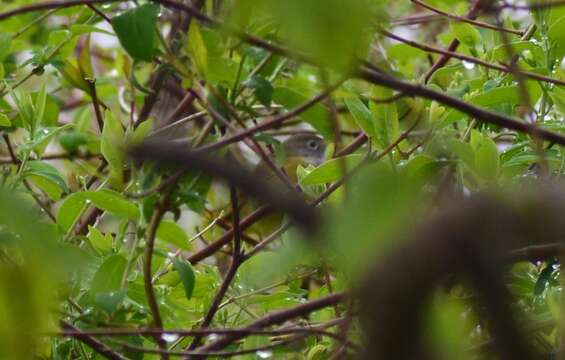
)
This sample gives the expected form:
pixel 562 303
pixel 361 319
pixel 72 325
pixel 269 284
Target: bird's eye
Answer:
pixel 312 144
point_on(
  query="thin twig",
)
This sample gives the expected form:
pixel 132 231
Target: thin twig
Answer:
pixel 234 266
pixel 277 317
pixel 95 103
pixel 160 209
pixel 467 20
pixel 470 59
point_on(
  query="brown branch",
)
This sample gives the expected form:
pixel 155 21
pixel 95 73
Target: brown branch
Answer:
pixel 157 82
pixel 313 330
pixel 47 5
pixel 181 107
pixel 226 226
pixel 258 214
pixel 222 354
pixel 471 59
pixel 92 214
pixel 416 19
pixel 380 78
pixel 470 109
pixel 268 124
pixel 442 61
pixel 277 317
pixel 537 252
pixel 467 19
pixel 245 223
pixel 55 156
pixel 289 202
pixel 228 278
pixel 160 209
pixel 95 103
pixel 100 13
pixel 249 141
pixel 93 343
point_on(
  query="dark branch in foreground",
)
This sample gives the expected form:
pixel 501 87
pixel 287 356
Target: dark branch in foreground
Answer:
pixel 285 201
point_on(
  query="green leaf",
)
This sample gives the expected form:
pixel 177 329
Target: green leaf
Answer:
pixel 5 120
pixel 316 115
pixel 113 202
pixel 47 178
pixel 318 352
pixel 262 89
pixel 72 140
pixel 49 187
pixel 404 52
pixel 141 132
pixel 42 138
pixel 556 36
pixel 25 108
pixel 51 110
pixel 196 47
pixel 112 145
pixel 380 207
pixel 421 167
pixel 466 34
pixel 84 63
pixel 100 242
pixel 109 301
pixel 104 199
pixel 171 233
pixel 557 95
pixel 464 151
pixel 109 275
pixel 499 53
pixel 5 45
pixel 70 210
pixel 61 40
pixel 362 115
pixel 186 273
pixel 331 170
pixel 387 128
pixel 331 31
pixel 135 29
pixel 221 70
pixel 72 74
pixel 487 161
pixel 39 105
pixel 496 96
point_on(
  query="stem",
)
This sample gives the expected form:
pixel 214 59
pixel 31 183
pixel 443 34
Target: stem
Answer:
pixel 235 263
pixel 160 209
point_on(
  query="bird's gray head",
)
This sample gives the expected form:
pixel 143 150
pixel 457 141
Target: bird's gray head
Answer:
pixel 310 148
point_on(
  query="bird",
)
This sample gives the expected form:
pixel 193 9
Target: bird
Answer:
pixel 299 150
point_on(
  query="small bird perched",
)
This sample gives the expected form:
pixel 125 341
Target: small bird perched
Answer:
pixel 300 149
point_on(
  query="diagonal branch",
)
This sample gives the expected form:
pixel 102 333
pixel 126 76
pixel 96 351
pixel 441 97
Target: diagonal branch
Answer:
pixel 93 343
pixel 278 317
